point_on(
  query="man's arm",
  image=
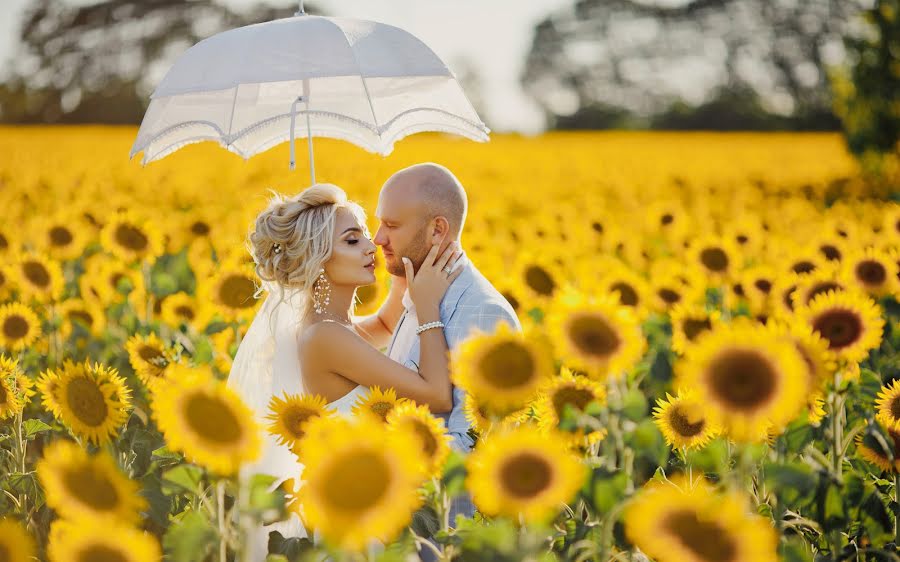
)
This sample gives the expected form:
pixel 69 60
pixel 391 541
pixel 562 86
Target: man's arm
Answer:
pixel 377 328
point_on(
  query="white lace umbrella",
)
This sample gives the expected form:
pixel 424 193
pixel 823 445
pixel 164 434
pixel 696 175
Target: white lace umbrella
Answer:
pixel 361 81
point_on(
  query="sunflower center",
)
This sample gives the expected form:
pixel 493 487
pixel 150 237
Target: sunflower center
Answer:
pixel 742 239
pixel 81 316
pixel 15 327
pixel 358 481
pixel 185 312
pixel 382 409
pixel 36 273
pixel 132 237
pixel 429 443
pixel 703 538
pixel 714 259
pixel 513 301
pixel 666 219
pixel 86 401
pixel 627 295
pixel 802 267
pixel 579 398
pixel 101 553
pixel 669 296
pixel 4 243
pixel 693 327
pixel 237 292
pixel 743 379
pixel 507 365
pixel 895 407
pixel 150 354
pixel 294 419
pixel 787 297
pixel 831 253
pixel 60 236
pixel 592 335
pixel 539 280
pixel 821 288
pixel 212 419
pixel 764 285
pixel 526 475
pixel 200 228
pixel 91 487
pixel 840 327
pixel 3 397
pixel 687 420
pixel 871 272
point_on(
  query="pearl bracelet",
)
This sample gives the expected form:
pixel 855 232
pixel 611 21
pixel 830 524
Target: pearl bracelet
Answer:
pixel 429 326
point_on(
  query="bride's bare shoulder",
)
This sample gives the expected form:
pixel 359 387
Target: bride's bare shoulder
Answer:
pixel 323 333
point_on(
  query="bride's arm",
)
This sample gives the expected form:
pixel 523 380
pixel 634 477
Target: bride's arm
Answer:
pixel 377 328
pixel 332 347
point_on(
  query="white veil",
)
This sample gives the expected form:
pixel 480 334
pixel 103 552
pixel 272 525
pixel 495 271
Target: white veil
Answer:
pixel 266 365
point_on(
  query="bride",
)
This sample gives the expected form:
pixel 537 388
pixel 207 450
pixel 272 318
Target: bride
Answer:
pixel 312 252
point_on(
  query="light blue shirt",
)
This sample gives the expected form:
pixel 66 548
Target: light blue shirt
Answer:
pixel 471 303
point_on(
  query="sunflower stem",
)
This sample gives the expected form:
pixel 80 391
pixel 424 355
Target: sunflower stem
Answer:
pixel 896 516
pixel 223 529
pixel 837 428
pixel 148 310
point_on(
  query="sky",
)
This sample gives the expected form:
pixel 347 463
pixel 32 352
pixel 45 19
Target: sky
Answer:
pixel 493 36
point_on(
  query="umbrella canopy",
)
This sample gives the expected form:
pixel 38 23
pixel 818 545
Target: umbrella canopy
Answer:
pixel 361 81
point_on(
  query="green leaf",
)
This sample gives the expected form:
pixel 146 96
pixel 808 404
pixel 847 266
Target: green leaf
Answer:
pixel 835 514
pixel 634 406
pixel 608 489
pixel 203 351
pixel 454 478
pixel 182 478
pixel 33 427
pixel 793 482
pixel 190 539
pixel 795 550
pixel 261 499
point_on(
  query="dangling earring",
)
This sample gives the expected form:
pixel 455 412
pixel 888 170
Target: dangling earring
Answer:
pixel 321 292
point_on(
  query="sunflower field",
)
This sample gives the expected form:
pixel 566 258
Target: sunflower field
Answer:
pixel 708 369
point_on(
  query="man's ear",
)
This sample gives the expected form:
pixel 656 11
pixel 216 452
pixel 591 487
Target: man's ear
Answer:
pixel 439 230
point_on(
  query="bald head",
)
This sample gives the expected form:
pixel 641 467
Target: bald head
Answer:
pixel 436 189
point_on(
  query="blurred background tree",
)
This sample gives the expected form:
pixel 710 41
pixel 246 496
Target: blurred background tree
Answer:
pixel 867 89
pixel 690 64
pixel 99 63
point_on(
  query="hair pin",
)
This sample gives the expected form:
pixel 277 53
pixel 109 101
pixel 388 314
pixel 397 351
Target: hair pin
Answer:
pixel 276 247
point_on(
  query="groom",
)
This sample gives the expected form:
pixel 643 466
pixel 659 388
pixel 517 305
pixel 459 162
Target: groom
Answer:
pixel 417 207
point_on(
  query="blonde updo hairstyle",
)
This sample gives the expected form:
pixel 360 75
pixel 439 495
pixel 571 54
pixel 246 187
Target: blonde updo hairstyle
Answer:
pixel 304 226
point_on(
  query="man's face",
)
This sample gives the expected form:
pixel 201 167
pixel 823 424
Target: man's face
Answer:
pixel 404 225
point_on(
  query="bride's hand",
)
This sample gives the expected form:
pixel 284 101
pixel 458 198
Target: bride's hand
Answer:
pixel 428 285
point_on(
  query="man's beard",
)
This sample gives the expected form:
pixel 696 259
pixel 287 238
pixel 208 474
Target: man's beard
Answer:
pixel 416 251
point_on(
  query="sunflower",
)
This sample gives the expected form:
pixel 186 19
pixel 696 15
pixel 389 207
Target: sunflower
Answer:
pixel 62 235
pixel 719 257
pixel 357 490
pixel 503 370
pixel 232 288
pixel 483 418
pixel 671 285
pixel 820 362
pixel 523 472
pixel 802 260
pixel 205 420
pixel 47 385
pixel 16 544
pixel 89 316
pixel 290 413
pixel 377 402
pixel 93 401
pixel 131 238
pixel 598 336
pixel 850 322
pixel 15 388
pixel 37 276
pixel 225 344
pixel 888 405
pixel 747 378
pixel 871 449
pixel 758 282
pixel 689 322
pixel 823 280
pixel 631 289
pixel 93 541
pixel 429 431
pixel 783 294
pixel 106 281
pixel 681 521
pixel 871 271
pixel 832 247
pixel 182 309
pixel 149 357
pixel 575 391
pixel 682 420
pixel 79 485
pixel 537 276
pixel 19 326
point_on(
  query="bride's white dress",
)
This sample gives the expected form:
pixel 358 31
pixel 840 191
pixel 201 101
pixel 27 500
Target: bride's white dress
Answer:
pixel 267 365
